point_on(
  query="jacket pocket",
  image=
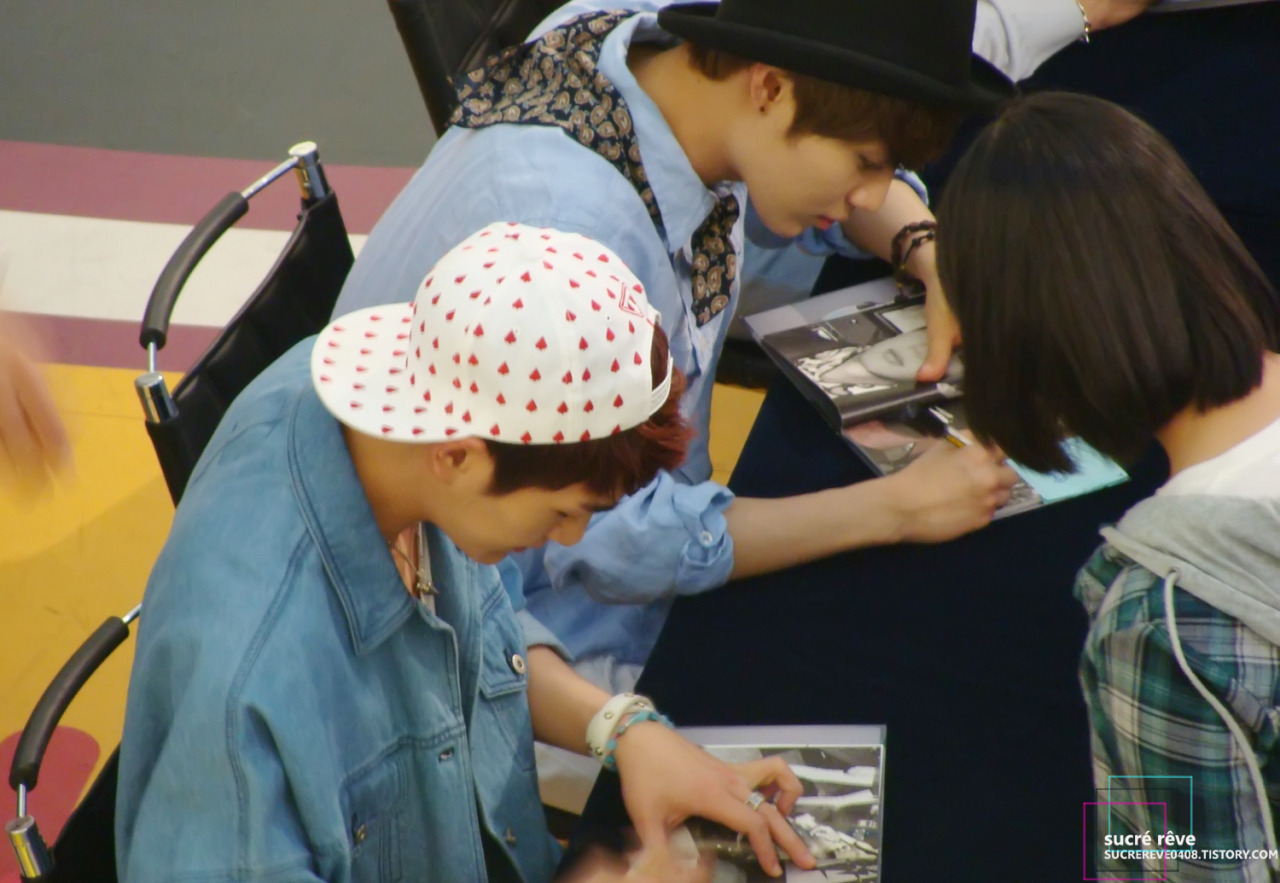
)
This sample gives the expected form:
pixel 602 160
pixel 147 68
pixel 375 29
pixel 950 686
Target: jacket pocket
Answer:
pixel 373 803
pixel 504 682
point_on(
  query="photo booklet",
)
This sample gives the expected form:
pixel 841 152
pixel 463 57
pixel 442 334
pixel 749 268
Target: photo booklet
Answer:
pixel 854 352
pixel 841 768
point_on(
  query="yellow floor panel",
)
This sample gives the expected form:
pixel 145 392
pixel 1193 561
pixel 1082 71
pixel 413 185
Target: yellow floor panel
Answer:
pixel 82 552
pixel 113 460
pixel 733 410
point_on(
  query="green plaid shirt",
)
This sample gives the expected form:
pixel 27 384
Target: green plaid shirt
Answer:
pixel 1156 740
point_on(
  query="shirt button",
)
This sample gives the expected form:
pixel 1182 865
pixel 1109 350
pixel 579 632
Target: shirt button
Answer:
pixel 360 834
pixel 706 538
pixel 447 754
pixel 510 837
pixel 517 663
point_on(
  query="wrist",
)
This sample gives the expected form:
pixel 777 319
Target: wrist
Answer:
pixel 606 721
pixel 881 518
pixel 638 720
pixel 923 264
pixel 905 257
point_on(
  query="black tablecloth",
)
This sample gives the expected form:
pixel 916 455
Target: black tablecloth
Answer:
pixel 968 650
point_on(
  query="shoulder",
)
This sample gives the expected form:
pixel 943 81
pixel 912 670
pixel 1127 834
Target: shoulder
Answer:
pixel 238 539
pixel 1131 647
pixel 536 175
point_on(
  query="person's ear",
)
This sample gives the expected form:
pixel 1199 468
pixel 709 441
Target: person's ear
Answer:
pixel 465 461
pixel 769 88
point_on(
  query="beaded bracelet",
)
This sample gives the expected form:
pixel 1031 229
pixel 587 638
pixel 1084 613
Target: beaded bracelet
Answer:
pixel 611 746
pixel 907 240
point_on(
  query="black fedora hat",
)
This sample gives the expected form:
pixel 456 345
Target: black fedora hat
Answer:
pixel 914 49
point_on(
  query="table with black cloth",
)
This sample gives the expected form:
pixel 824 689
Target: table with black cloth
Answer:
pixel 968 650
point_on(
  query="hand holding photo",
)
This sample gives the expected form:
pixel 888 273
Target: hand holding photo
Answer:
pixel 837 818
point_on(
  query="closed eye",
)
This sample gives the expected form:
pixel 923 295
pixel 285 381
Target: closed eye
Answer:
pixel 866 166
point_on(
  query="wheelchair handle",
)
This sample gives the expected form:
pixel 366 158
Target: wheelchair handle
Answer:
pixel 304 161
pixel 58 695
pixel 155 324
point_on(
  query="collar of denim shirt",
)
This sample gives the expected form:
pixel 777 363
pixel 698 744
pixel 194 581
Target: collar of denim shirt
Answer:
pixel 340 521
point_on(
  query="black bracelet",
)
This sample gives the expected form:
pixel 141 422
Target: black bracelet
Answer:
pixel 920 233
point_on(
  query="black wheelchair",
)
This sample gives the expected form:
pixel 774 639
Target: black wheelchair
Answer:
pixel 292 302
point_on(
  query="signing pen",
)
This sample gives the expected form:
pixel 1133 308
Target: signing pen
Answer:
pixel 946 420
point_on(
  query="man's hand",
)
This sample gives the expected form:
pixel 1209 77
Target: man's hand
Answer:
pixel 1105 14
pixel 941 328
pixel 666 779
pixel 950 491
pixel 602 867
pixel 33 441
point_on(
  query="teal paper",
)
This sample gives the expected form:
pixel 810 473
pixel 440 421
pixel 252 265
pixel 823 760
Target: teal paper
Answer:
pixel 1093 471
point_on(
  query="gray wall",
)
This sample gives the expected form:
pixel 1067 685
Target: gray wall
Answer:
pixel 229 78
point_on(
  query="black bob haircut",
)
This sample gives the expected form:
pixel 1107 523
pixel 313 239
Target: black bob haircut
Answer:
pixel 1098 290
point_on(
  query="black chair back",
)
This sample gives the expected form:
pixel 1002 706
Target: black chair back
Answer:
pixel 444 39
pixel 293 301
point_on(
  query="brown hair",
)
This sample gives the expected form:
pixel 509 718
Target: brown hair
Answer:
pixel 1098 289
pixel 625 461
pixel 913 133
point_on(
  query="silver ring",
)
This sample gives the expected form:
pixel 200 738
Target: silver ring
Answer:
pixel 755 799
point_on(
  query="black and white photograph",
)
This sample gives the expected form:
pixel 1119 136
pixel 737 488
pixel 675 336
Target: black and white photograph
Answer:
pixel 838 816
pixel 857 365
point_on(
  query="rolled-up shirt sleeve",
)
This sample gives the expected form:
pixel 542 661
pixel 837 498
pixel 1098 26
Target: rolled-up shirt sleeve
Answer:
pixel 1017 36
pixel 667 539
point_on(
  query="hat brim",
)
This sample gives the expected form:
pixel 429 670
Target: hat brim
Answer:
pixel 360 371
pixel 697 22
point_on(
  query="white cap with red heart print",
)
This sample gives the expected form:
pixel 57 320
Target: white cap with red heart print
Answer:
pixel 518 334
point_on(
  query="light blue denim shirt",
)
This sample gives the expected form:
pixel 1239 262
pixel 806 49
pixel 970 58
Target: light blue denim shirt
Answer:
pixel 671 537
pixel 293 714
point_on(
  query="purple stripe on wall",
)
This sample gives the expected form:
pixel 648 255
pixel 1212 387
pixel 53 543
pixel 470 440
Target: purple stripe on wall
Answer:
pixel 109 343
pixel 130 186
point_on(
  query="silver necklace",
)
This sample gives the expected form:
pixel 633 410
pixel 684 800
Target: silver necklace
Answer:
pixel 423 586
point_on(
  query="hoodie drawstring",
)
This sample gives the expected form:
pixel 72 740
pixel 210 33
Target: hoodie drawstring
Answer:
pixel 1255 772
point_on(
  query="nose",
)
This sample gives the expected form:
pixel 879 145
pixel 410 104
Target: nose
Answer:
pixel 869 195
pixel 570 529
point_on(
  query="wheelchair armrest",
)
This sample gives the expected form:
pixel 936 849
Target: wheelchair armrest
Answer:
pixel 57 696
pixel 155 324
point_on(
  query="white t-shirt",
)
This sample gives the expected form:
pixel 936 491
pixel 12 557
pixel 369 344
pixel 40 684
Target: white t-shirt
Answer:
pixel 1249 469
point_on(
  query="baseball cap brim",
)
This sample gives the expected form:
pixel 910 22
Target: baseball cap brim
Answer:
pixel 360 370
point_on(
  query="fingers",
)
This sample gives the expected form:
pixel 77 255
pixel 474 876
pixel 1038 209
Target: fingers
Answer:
pixel 937 361
pixel 655 843
pixel 774 777
pixel 37 404
pixel 942 333
pixel 649 868
pixel 766 825
pixel 32 437
pixel 1006 475
pixel 760 827
pixel 785 836
pixel 599 866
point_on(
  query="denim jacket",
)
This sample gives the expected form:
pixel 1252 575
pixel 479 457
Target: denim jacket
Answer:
pixel 293 713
